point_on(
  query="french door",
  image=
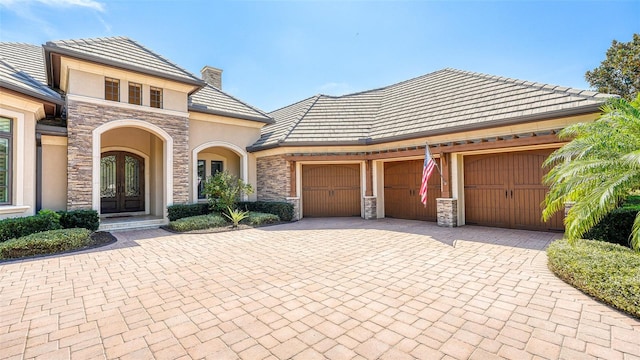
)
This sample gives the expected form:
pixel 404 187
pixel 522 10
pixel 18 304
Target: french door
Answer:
pixel 121 182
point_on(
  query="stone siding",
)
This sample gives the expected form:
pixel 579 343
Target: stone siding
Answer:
pixel 370 207
pixel 84 117
pixel 273 178
pixel 447 212
pixel 295 201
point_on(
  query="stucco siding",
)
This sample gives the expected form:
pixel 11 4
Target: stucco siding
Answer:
pixel 54 172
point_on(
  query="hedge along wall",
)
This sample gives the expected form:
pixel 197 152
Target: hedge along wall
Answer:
pixel 616 226
pixel 282 209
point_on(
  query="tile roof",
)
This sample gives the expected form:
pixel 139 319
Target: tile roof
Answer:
pixel 124 53
pixel 214 101
pixel 22 69
pixel 444 101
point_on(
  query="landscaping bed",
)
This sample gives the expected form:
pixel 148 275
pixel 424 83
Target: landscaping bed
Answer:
pixel 212 223
pixel 605 271
pixel 52 242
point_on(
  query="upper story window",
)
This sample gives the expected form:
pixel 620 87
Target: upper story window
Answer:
pixel 135 93
pixel 156 97
pixel 5 160
pixel 112 89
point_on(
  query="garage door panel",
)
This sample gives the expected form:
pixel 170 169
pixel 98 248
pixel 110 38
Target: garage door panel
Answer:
pixel 331 190
pixel 395 201
pixel 506 190
pixel 347 202
pixel 486 207
pixel 402 180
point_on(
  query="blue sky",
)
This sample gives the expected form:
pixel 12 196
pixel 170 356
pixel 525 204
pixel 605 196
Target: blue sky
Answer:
pixel 274 53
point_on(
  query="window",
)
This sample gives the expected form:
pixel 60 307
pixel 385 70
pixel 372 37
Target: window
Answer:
pixel 156 98
pixel 112 89
pixel 201 178
pixel 135 93
pixel 216 167
pixel 5 161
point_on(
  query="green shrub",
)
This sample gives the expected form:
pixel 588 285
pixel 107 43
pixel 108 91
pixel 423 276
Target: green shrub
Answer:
pixel 616 226
pixel 87 219
pixel 22 226
pixel 223 191
pixel 284 210
pixel 180 211
pixel 258 218
pixel 46 242
pixel 608 272
pixel 197 223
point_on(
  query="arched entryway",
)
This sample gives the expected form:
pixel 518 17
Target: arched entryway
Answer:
pixel 132 169
pixel 214 156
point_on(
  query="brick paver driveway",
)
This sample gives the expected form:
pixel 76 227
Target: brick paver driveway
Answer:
pixel 318 288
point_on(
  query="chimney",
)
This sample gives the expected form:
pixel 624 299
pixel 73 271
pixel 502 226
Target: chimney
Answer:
pixel 212 76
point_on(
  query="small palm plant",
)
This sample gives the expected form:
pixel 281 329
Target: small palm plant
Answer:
pixel 597 170
pixel 236 216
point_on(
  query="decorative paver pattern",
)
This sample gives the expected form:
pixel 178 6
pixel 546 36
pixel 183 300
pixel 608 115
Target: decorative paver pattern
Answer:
pixel 315 289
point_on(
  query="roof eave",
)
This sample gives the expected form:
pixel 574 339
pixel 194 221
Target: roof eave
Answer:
pixel 264 120
pixel 96 59
pixel 33 94
pixel 51 130
pixel 589 109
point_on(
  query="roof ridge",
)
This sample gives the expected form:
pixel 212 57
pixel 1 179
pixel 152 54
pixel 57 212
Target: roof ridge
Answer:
pixel 295 103
pixel 353 94
pixel 240 101
pixel 292 127
pixel 84 40
pixel 553 88
pixel 153 53
pixel 72 44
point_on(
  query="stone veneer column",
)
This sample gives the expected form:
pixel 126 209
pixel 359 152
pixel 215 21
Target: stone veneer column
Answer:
pixel 273 178
pixel 370 207
pixel 295 201
pixel 84 117
pixel 447 212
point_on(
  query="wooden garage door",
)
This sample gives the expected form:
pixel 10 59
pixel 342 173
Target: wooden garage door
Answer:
pixel 506 190
pixel 402 181
pixel 330 190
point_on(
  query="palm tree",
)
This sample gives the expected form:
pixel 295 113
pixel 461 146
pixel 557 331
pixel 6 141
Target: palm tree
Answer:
pixel 597 170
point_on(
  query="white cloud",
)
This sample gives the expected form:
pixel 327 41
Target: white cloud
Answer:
pixel 91 4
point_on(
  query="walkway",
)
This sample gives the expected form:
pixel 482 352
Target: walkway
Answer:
pixel 315 289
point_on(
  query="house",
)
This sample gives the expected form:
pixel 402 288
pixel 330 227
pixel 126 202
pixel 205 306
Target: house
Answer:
pixel 108 124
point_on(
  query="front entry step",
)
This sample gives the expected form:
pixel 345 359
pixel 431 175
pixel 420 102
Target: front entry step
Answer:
pixel 118 224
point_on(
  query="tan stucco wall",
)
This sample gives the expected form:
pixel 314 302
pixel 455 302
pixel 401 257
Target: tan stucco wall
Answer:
pixel 24 113
pixel 201 132
pixel 54 172
pixel 128 137
pixel 86 84
pixel 205 128
pixel 86 79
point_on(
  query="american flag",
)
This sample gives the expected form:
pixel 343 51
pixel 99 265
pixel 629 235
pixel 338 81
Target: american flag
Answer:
pixel 427 169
